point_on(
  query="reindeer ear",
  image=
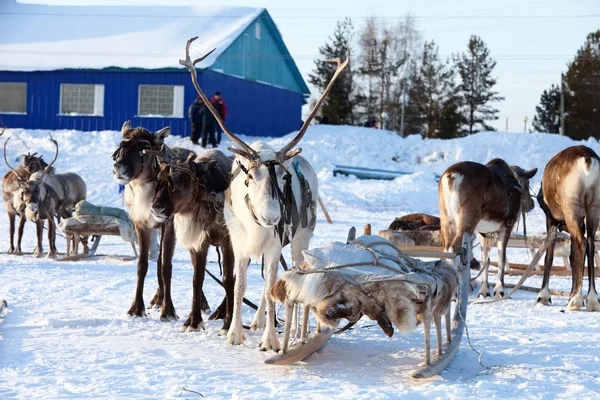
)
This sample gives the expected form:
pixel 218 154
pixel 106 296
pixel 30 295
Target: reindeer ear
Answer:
pixel 159 136
pixel 126 127
pixel 528 174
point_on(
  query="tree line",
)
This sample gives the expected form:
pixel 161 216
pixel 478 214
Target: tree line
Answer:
pixel 581 91
pixel 396 80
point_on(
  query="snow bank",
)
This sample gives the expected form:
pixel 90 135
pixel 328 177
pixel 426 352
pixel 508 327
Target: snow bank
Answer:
pixel 67 333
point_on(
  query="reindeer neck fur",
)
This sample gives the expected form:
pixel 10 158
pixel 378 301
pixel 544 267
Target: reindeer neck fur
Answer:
pixel 192 226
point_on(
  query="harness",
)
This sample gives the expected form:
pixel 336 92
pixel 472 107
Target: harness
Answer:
pixel 145 145
pixel 292 216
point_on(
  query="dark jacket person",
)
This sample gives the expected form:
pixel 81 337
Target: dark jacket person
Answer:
pixel 208 126
pixel 195 113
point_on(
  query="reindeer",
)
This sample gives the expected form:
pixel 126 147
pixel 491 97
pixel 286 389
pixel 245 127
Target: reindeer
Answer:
pixel 191 193
pixel 48 195
pixel 270 202
pixel 12 190
pixel 570 198
pixel 484 199
pixel 139 172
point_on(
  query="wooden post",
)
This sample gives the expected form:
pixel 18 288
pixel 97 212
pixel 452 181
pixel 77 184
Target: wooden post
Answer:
pixel 367 230
pixel 329 221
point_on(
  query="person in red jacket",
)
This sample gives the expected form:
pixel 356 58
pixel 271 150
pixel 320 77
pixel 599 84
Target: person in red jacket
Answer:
pixel 219 104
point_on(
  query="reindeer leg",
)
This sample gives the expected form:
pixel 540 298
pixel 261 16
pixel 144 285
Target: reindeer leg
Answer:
pixel 51 237
pixel 427 332
pixel 235 335
pixel 157 299
pixel 448 327
pixel 544 294
pixel 11 220
pixel 437 319
pixel 576 230
pixel 305 314
pixel 228 284
pixel 592 225
pixel 39 229
pixel 269 339
pixel 167 311
pixel 289 310
pixel 22 221
pixel 484 290
pixel 503 236
pixel 194 321
pixel 137 307
pixel 259 321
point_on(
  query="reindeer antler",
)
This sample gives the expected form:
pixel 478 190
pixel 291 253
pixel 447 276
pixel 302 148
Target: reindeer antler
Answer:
pixel 247 152
pixel 8 165
pixel 54 159
pixel 284 153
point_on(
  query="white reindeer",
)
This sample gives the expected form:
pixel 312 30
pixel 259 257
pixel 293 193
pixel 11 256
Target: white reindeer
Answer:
pixel 271 202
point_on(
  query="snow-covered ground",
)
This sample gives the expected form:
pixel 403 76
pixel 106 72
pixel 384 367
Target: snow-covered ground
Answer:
pixel 67 333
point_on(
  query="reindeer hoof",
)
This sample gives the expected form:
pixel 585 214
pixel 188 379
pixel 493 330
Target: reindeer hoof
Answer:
pixel 199 327
pixel 137 312
pixel 219 313
pixel 269 341
pixel 259 322
pixel 223 332
pixel 38 254
pixel 545 301
pixel 593 304
pixel 235 336
pixel 575 303
pixel 484 291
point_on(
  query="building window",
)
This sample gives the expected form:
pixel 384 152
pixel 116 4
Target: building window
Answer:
pixel 13 97
pixel 76 99
pixel 160 101
pixel 257 30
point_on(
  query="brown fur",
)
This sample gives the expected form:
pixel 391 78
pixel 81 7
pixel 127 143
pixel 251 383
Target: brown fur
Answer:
pixel 569 205
pixel 142 169
pixel 493 192
pixel 411 222
pixel 194 191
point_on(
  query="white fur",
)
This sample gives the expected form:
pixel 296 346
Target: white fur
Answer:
pixel 488 226
pixel 190 234
pixel 575 303
pixel 251 240
pixel 544 296
pixel 138 197
pixel 451 195
pixel 592 301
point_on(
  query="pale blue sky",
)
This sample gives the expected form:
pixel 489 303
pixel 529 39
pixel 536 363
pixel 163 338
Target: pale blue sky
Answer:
pixel 532 41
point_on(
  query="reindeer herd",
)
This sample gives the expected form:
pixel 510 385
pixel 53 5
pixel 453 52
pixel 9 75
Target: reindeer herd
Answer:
pixel 258 201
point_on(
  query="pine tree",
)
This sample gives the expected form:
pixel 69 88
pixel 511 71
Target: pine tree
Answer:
pixel 582 100
pixel 475 70
pixel 338 107
pixel 547 118
pixel 431 85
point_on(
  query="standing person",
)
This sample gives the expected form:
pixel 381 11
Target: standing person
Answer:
pixel 219 105
pixel 208 126
pixel 196 119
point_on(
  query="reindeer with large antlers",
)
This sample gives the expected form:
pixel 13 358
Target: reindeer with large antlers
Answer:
pixel 270 202
pixel 48 195
pixel 12 189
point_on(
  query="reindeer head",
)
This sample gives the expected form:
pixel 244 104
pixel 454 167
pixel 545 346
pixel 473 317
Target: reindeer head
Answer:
pixel 524 176
pixel 33 191
pixel 265 169
pixel 130 162
pixel 183 183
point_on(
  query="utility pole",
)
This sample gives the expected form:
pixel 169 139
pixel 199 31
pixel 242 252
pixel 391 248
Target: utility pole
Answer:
pixel 562 104
pixel 525 124
pixel 506 129
pixel 404 75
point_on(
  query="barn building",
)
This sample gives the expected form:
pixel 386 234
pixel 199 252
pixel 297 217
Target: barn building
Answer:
pixel 93 67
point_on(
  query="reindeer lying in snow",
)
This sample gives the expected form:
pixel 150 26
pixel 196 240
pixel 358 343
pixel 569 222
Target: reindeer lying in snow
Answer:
pixel 371 277
pixel 139 172
pixel 270 202
pixel 484 199
pixel 191 192
pixel 570 198
pixel 48 195
pixel 12 191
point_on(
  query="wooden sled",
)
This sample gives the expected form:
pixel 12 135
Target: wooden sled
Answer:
pixel 80 233
pixel 432 366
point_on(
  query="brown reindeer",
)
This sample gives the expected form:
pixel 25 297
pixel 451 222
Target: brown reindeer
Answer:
pixel 484 199
pixel 139 172
pixel 191 193
pixel 12 190
pixel 570 198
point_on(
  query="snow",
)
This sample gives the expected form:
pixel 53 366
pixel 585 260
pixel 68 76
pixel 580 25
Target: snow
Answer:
pixel 66 332
pixel 38 37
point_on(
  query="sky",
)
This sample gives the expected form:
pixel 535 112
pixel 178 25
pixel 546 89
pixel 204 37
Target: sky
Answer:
pixel 532 41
